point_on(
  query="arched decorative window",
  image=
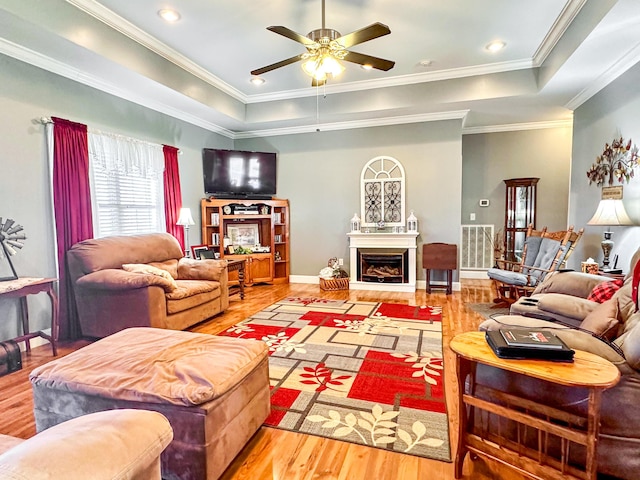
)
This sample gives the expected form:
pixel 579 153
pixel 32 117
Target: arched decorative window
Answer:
pixel 382 193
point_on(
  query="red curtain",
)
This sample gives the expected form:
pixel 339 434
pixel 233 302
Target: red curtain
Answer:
pixel 172 193
pixel 72 206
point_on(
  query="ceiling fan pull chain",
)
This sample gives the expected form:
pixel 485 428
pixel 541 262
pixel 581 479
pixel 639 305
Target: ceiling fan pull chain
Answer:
pixel 317 107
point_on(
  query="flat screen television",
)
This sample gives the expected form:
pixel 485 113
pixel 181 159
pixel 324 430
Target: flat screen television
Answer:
pixel 239 174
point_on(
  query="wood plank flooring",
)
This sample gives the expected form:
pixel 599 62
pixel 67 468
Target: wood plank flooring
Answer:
pixel 281 455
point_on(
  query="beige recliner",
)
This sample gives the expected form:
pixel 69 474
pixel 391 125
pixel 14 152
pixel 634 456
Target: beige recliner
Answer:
pixel 616 319
pixel 160 289
pixel 118 444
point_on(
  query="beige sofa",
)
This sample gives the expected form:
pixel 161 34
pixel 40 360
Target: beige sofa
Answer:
pixel 119 444
pixel 617 319
pixel 143 281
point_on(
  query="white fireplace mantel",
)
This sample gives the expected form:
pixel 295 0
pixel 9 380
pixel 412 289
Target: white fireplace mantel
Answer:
pixel 382 241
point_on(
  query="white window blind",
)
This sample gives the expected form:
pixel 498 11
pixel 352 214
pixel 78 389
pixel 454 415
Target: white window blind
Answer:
pixel 126 185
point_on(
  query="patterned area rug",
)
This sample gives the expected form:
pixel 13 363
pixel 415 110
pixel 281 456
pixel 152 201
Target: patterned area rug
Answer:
pixel 362 372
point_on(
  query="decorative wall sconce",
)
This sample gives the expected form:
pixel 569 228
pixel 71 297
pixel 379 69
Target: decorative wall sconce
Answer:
pixel 412 223
pixel 617 161
pixel 355 223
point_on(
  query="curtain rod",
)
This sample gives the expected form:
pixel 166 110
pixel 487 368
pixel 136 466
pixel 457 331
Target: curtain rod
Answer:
pixel 47 120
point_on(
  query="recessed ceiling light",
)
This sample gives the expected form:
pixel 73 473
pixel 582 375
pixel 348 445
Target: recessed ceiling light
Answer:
pixel 425 63
pixel 495 46
pixel 257 80
pixel 169 15
pixel 366 67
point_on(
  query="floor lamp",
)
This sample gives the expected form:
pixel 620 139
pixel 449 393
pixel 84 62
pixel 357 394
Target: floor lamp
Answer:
pixel 185 219
pixel 610 212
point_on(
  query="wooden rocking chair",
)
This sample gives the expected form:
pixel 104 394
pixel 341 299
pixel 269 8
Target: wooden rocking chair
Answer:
pixel 543 252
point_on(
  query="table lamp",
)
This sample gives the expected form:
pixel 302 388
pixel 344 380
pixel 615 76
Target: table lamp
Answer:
pixel 610 212
pixel 185 219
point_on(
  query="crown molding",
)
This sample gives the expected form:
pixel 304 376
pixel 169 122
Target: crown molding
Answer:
pixel 373 122
pixel 623 64
pixel 54 66
pixel 399 80
pixel 513 127
pixel 559 27
pixel 46 63
pixel 111 19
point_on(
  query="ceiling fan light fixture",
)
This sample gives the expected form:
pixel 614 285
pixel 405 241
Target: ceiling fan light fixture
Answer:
pixel 321 67
pixel 257 80
pixel 366 67
pixel 169 15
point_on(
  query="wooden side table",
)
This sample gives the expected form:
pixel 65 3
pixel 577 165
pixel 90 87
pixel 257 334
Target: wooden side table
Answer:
pixel 237 266
pixel 588 371
pixel 21 288
pixel 440 256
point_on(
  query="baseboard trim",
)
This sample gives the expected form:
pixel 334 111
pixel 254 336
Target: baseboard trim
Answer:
pixel 420 284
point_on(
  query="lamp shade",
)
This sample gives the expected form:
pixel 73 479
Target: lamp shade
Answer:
pixel 185 217
pixel 610 212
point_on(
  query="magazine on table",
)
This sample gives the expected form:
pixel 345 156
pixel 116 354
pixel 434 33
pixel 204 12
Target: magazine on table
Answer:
pixel 498 344
pixel 531 338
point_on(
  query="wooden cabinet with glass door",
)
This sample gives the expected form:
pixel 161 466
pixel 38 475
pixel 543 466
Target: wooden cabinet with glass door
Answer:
pixel 254 230
pixel 520 211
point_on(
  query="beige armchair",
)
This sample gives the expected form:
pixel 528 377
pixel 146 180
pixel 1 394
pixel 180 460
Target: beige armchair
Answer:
pixel 143 281
pixel 117 444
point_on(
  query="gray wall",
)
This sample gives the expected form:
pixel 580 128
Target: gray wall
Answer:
pixel 28 93
pixel 320 175
pixel 612 113
pixel 488 159
pixel 318 172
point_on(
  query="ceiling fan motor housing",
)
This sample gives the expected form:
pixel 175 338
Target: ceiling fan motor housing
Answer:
pixel 323 35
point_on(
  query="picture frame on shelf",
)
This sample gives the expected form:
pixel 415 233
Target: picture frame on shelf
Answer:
pixel 247 234
pixel 197 249
pixel 207 254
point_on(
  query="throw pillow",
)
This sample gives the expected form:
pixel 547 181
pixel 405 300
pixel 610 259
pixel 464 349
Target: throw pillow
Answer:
pixel 604 291
pixel 150 270
pixel 603 320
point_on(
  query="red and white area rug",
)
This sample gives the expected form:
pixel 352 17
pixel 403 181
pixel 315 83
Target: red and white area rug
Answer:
pixel 363 372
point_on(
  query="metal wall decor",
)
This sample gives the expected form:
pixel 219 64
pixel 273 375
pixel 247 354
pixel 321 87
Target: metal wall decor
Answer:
pixel 10 239
pixel 382 193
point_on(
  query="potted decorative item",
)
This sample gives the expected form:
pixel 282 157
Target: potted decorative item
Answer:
pixel 332 277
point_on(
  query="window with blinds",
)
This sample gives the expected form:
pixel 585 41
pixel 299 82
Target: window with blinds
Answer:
pixel 128 205
pixel 127 190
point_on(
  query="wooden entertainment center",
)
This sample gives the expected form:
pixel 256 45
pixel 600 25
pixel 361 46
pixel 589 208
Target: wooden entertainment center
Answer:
pixel 246 223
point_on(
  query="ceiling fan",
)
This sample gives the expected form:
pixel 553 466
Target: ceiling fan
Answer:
pixel 325 47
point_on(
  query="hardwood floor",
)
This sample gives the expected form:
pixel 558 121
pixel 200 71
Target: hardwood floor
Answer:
pixel 280 455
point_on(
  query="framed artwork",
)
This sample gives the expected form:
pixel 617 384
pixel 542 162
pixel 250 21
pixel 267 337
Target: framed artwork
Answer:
pixel 207 254
pixel 196 250
pixel 247 234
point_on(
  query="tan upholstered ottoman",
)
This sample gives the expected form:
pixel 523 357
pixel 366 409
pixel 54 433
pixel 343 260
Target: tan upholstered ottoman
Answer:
pixel 214 391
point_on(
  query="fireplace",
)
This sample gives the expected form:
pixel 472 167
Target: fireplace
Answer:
pixel 385 247
pixel 383 266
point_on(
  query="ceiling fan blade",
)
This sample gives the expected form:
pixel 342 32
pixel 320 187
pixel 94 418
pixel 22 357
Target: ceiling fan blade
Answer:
pixel 365 34
pixel 375 62
pixel 296 37
pixel 273 66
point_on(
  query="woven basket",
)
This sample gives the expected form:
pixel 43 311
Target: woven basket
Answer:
pixel 334 284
